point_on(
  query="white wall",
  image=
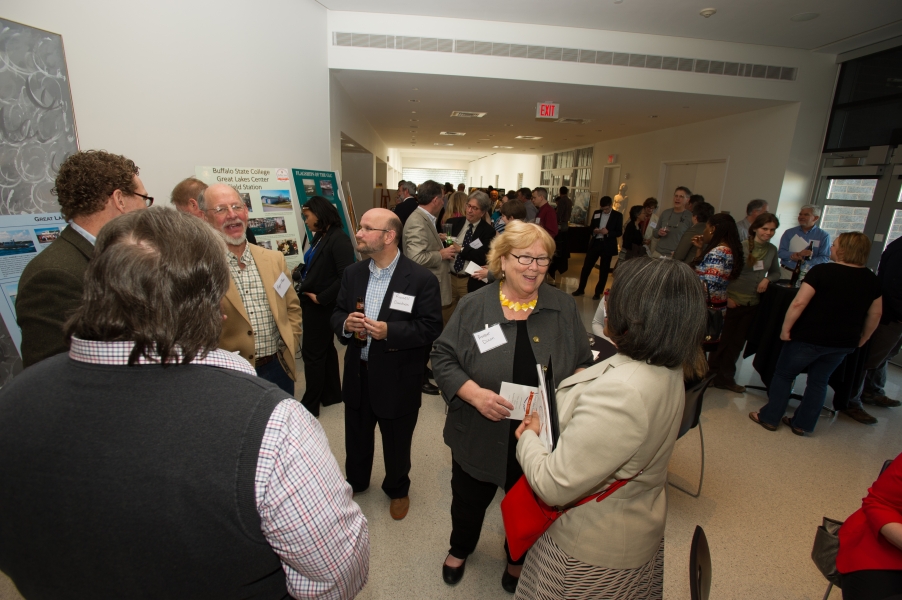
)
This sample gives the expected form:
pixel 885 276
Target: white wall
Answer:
pixel 506 166
pixel 359 170
pixel 418 162
pixel 345 117
pixel 175 84
pixel 756 145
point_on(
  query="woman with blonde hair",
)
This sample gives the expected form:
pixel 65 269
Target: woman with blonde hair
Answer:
pixel 457 206
pixel 835 311
pixel 499 334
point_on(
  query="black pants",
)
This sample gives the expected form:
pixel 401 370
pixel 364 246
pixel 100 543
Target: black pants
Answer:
pixel 595 253
pixel 320 357
pixel 360 440
pixel 736 324
pixel 470 498
pixel 872 585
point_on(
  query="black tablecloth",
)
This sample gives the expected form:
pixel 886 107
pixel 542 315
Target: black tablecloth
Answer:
pixel 764 342
pixel 579 238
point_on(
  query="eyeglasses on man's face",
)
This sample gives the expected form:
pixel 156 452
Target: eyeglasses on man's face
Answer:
pixel 542 261
pixel 238 208
pixel 367 229
pixel 148 200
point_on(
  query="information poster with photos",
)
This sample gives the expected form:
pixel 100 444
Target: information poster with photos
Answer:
pixel 22 237
pixel 325 183
pixel 270 201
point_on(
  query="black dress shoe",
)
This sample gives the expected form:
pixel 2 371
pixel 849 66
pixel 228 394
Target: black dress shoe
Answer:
pixel 509 582
pixel 578 293
pixel 430 389
pixel 596 297
pixel 453 575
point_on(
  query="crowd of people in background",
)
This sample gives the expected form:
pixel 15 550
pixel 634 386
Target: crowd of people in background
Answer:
pixel 140 351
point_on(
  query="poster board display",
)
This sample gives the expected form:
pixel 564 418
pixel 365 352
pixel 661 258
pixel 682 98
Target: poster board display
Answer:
pixel 273 213
pixel 311 183
pixel 22 237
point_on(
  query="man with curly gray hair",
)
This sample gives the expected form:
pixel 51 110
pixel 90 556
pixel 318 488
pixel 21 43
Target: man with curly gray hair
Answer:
pixel 93 187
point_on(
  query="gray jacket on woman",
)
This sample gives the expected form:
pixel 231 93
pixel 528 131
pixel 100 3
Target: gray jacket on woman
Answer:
pixel 479 445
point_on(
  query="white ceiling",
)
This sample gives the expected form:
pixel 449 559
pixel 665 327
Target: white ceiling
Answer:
pixel 615 112
pixel 842 25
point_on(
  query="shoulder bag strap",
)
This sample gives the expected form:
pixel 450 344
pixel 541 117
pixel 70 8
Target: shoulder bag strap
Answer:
pixel 607 492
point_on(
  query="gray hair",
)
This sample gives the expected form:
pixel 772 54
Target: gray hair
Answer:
pixel 410 187
pixel 815 210
pixel 656 313
pixel 202 199
pixel 756 204
pixel 483 199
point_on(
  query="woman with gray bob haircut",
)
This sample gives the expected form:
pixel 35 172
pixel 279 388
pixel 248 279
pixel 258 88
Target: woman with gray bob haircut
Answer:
pixel 619 420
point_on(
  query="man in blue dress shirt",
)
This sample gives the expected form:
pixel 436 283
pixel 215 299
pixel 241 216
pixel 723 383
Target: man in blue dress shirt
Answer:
pixel 808 230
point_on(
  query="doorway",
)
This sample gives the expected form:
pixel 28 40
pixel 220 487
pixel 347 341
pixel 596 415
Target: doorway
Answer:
pixel 702 177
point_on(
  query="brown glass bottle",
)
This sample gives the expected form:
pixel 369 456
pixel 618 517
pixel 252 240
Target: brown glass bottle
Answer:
pixel 360 336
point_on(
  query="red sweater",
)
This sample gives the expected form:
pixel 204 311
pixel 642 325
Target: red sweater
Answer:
pixel 547 218
pixel 861 546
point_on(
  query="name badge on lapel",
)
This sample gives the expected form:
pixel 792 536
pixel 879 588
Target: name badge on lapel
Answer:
pixel 402 302
pixel 476 244
pixel 281 285
pixel 489 338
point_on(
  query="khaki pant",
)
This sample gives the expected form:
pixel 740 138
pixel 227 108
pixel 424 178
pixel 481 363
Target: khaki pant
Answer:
pixel 458 291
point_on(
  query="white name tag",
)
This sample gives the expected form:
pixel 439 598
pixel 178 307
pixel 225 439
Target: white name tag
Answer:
pixel 759 266
pixel 402 302
pixel 538 221
pixel 490 338
pixel 652 224
pixel 815 243
pixel 281 285
pixel 476 244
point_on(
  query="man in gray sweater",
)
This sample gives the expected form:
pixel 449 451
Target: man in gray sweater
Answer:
pixel 673 223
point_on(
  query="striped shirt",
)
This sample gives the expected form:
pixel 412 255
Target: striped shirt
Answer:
pixel 253 296
pixel 375 294
pixel 305 506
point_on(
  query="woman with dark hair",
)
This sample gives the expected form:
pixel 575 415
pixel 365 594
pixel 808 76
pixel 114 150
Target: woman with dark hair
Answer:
pixel 836 310
pixel 718 258
pixel 631 244
pixel 619 420
pixel 760 269
pixel 317 282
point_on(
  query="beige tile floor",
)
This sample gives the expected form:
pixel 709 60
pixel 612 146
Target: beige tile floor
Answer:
pixel 763 496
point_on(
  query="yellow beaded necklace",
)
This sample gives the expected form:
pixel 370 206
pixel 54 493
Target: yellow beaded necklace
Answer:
pixel 516 306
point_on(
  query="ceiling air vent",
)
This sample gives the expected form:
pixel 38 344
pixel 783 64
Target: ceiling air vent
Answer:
pixel 467 115
pixel 452 133
pixel 574 121
pixel 527 137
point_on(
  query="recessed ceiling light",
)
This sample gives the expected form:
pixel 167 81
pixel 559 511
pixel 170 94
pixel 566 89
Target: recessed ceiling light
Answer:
pixel 654 116
pixel 467 114
pixel 416 89
pixel 492 135
pixel 414 126
pixel 413 100
pixel 414 120
pixel 801 17
pixel 484 140
pixel 413 112
pixel 451 133
pixel 437 144
pixel 527 137
pixel 508 124
pixel 505 147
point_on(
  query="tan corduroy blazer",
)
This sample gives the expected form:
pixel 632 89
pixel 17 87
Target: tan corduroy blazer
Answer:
pixel 237 333
pixel 422 245
pixel 617 418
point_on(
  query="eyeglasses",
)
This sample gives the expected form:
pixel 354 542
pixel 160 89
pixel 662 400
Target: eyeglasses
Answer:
pixel 238 208
pixel 148 200
pixel 367 229
pixel 543 261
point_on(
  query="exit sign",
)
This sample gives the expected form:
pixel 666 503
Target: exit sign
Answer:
pixel 546 110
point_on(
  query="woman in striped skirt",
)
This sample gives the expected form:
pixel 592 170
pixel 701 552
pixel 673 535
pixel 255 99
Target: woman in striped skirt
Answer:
pixel 619 420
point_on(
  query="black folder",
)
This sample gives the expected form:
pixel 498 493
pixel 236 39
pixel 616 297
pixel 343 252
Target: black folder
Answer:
pixel 550 389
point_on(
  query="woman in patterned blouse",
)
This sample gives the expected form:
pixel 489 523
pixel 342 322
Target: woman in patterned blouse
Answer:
pixel 718 257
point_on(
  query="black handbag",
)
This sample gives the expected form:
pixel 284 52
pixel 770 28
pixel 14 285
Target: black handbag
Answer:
pixel 825 549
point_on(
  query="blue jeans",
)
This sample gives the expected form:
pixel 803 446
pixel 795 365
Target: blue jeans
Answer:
pixel 274 373
pixel 795 357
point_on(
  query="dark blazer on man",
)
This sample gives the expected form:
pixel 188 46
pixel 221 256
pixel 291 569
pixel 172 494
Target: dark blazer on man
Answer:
pixel 404 208
pixel 334 253
pixel 614 227
pixel 395 364
pixel 50 290
pixel 485 233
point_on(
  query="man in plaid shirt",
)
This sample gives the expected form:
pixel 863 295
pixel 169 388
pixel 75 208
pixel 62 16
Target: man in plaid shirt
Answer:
pixel 147 463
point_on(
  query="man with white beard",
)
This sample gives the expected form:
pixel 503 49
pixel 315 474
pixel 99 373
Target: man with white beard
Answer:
pixel 261 309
